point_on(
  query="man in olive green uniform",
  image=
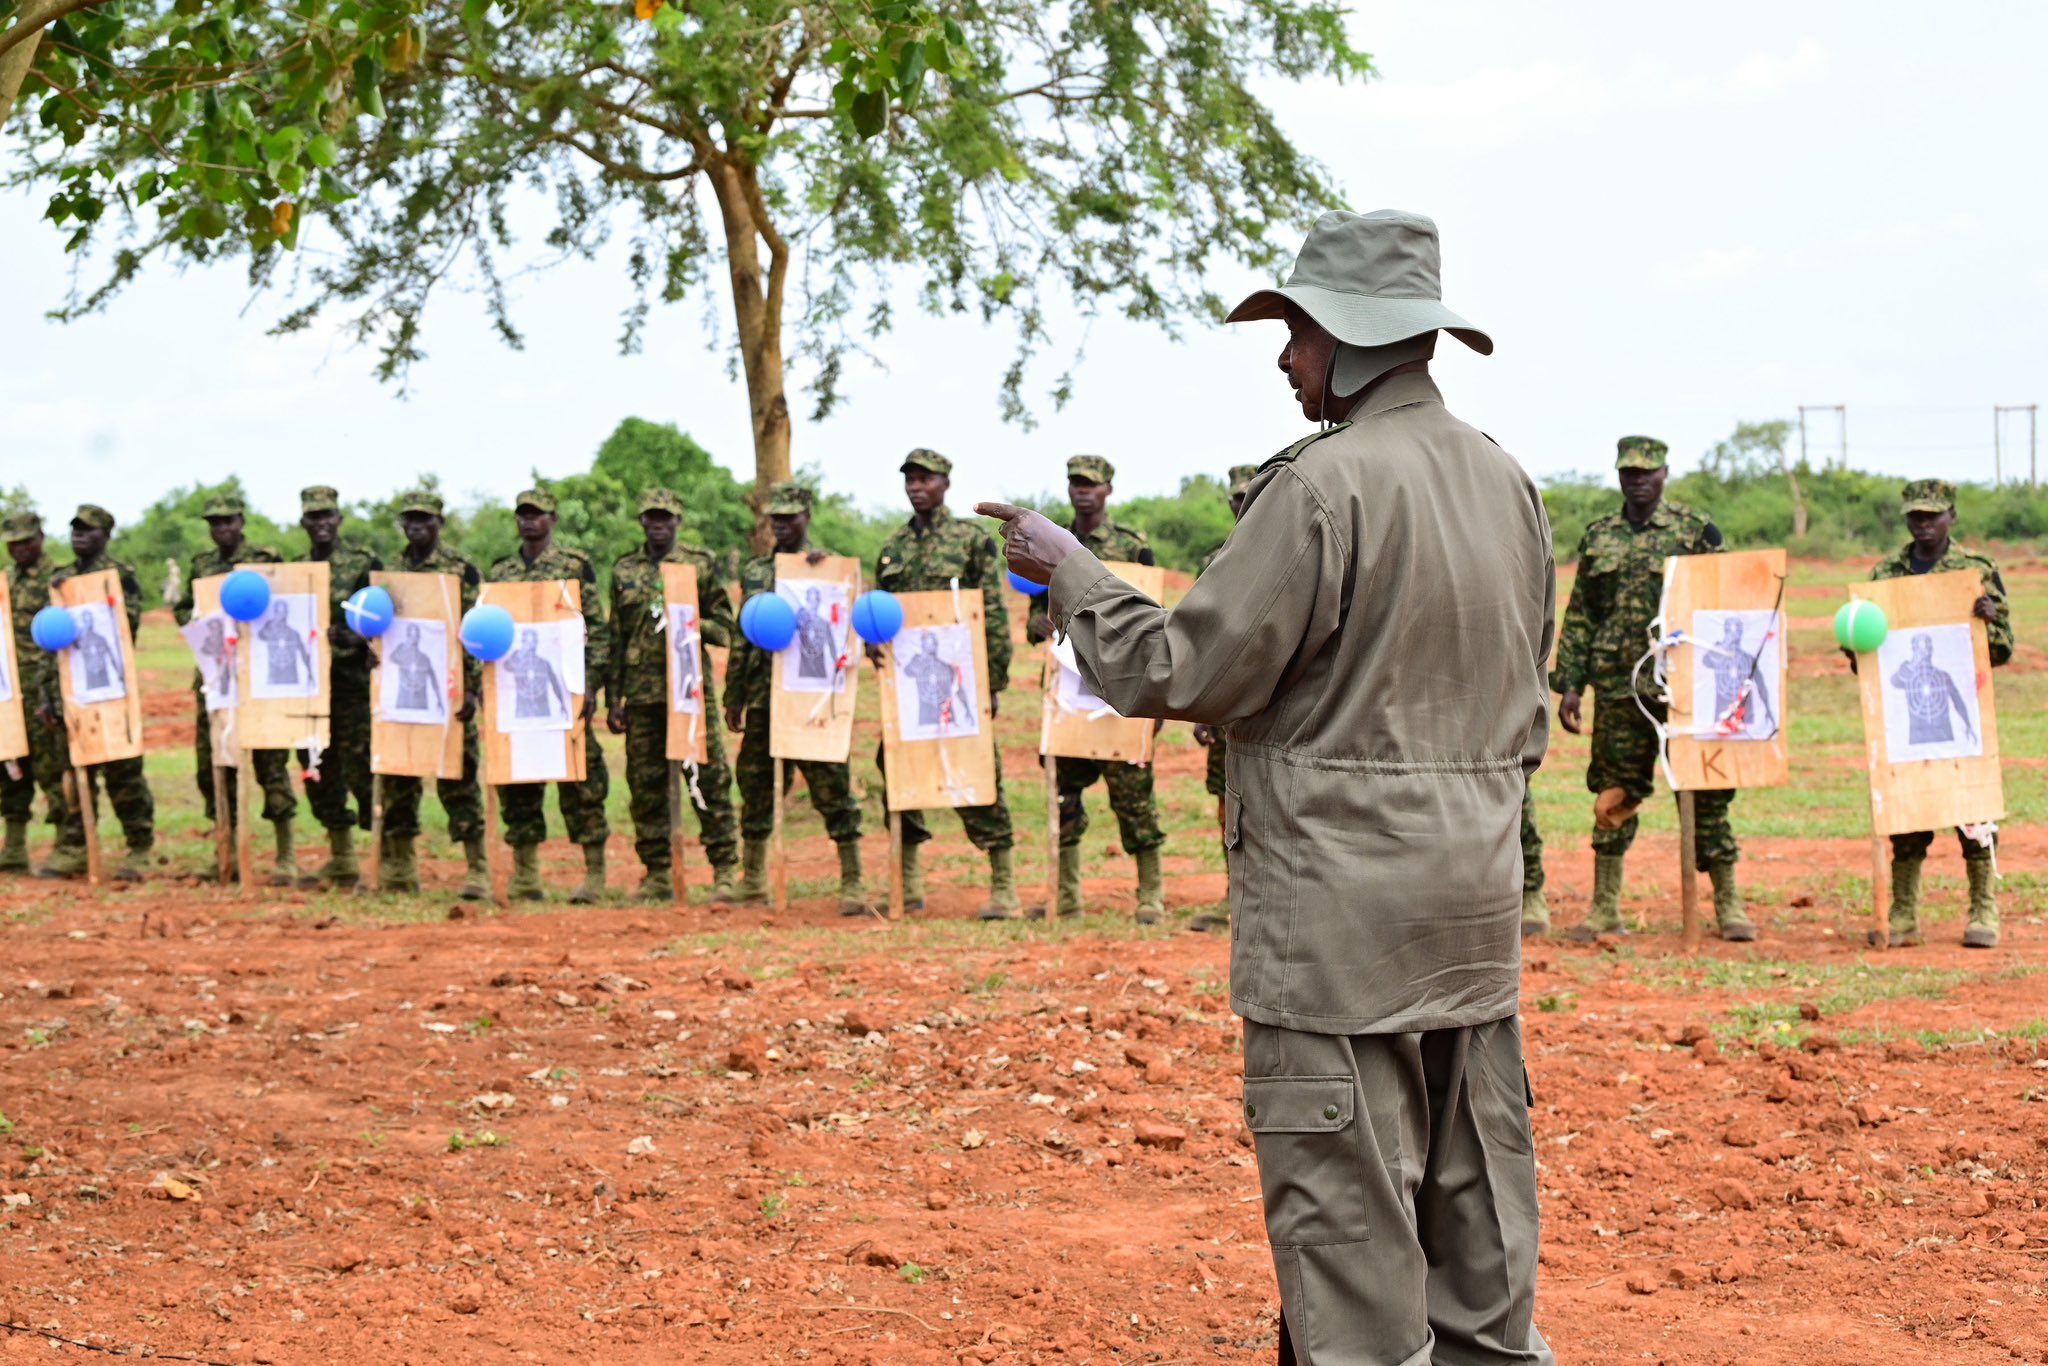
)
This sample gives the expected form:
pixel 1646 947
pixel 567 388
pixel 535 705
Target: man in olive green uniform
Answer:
pixel 934 551
pixel 1212 737
pixel 1930 511
pixel 462 799
pixel 344 767
pixel 747 682
pixel 224 515
pixel 126 787
pixel 640 698
pixel 1606 631
pixel 1131 800
pixel 539 560
pixel 1374 632
pixel 29 571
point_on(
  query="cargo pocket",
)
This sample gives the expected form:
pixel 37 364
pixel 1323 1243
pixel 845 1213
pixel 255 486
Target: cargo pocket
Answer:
pixel 1233 835
pixel 1311 1142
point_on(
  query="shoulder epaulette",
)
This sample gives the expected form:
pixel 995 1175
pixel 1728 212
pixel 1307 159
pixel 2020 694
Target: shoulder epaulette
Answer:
pixel 1298 447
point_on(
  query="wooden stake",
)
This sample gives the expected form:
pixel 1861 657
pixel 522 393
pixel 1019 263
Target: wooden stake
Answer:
pixel 373 877
pixel 676 891
pixel 895 866
pixel 245 787
pixel 1688 874
pixel 1052 839
pixel 778 854
pixel 80 785
pixel 1880 874
pixel 498 893
pixel 223 828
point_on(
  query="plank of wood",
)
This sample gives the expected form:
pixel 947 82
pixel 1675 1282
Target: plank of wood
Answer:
pixel 101 731
pixel 220 722
pixel 13 709
pixel 286 722
pixel 1929 794
pixel 407 748
pixel 1099 734
pixel 947 772
pixel 1745 581
pixel 550 600
pixel 688 732
pixel 810 725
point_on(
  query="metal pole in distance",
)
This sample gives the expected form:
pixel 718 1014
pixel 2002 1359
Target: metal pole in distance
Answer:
pixel 677 893
pixel 1997 448
pixel 1688 874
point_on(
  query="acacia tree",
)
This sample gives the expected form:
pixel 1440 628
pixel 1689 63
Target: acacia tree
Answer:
pixel 1008 155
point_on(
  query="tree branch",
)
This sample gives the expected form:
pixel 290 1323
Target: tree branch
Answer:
pixel 637 174
pixel 33 18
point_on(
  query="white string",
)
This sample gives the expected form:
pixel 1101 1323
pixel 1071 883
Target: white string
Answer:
pixel 1986 834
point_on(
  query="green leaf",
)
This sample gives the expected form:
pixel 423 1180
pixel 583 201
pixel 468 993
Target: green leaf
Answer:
pixel 910 70
pixel 321 151
pixel 938 56
pixel 870 112
pixel 473 12
pixel 368 72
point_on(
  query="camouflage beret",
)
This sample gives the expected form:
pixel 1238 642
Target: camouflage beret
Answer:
pixel 1094 468
pixel 788 499
pixel 319 498
pixel 1928 495
pixel 224 505
pixel 922 459
pixel 661 500
pixel 420 500
pixel 539 499
pixel 1640 453
pixel 93 515
pixel 19 526
pixel 1241 477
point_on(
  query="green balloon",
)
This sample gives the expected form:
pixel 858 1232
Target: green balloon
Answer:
pixel 1860 626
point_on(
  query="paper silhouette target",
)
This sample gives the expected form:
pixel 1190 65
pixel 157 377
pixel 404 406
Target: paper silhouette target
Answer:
pixel 97 673
pixel 413 679
pixel 935 684
pixel 1736 665
pixel 1930 695
pixel 534 680
pixel 286 661
pixel 686 674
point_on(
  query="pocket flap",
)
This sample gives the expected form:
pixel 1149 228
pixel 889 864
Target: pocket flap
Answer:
pixel 1297 1105
pixel 1233 813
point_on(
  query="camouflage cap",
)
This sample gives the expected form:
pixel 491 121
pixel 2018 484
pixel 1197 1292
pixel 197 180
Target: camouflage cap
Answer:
pixel 420 500
pixel 319 498
pixel 788 499
pixel 93 515
pixel 922 459
pixel 1928 495
pixel 1241 477
pixel 19 526
pixel 661 500
pixel 1640 453
pixel 538 499
pixel 1094 468
pixel 224 505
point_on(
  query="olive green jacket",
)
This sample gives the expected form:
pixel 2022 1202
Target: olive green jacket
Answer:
pixel 1997 633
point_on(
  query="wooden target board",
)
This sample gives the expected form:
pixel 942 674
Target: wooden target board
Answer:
pixel 96 672
pixel 417 735
pixel 220 721
pixel 934 757
pixel 811 717
pixel 280 706
pixel 13 692
pixel 1726 677
pixel 683 644
pixel 1909 793
pixel 538 755
pixel 1079 725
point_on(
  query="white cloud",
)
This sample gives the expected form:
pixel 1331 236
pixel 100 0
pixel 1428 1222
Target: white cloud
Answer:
pixel 1710 268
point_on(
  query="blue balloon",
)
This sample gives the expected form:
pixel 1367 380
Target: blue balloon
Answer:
pixel 369 612
pixel 53 628
pixel 487 631
pixel 768 622
pixel 877 616
pixel 1026 586
pixel 245 595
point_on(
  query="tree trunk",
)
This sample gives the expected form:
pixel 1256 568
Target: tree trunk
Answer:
pixel 757 299
pixel 1798 499
pixel 14 65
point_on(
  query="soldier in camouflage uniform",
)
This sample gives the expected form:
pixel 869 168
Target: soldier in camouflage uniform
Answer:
pixel 640 698
pixel 747 683
pixel 1535 911
pixel 224 515
pixel 344 767
pixel 1089 486
pixel 1606 631
pixel 462 799
pixel 1212 737
pixel 934 551
pixel 29 571
pixel 1930 512
pixel 127 789
pixel 539 560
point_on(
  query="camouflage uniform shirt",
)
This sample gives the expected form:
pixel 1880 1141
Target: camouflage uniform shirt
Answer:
pixel 348 571
pixel 1620 583
pixel 1109 542
pixel 28 593
pixel 748 676
pixel 211 561
pixel 131 595
pixel 560 562
pixel 916 561
pixel 639 674
pixel 1998 633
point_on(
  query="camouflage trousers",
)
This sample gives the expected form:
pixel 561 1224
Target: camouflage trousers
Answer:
pixel 344 767
pixel 43 766
pixel 830 786
pixel 1219 758
pixel 1913 847
pixel 988 827
pixel 273 774
pixel 462 799
pixel 1130 799
pixel 1625 756
pixel 1532 843
pixel 524 805
pixel 647 780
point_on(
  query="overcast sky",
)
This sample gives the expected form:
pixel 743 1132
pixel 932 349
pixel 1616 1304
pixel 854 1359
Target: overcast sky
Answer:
pixel 1670 219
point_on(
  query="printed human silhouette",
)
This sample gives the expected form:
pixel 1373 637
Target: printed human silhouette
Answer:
pixel 102 660
pixel 418 676
pixel 283 650
pixel 1734 666
pixel 217 660
pixel 535 683
pixel 813 638
pixel 1931 693
pixel 685 646
pixel 938 684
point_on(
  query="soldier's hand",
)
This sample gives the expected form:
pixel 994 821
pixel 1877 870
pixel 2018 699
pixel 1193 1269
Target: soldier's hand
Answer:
pixel 1205 735
pixel 815 557
pixel 995 705
pixel 1850 655
pixel 615 720
pixel 1158 723
pixel 1033 544
pixel 1568 712
pixel 340 634
pixel 468 708
pixel 590 706
pixel 1037 629
pixel 734 717
pixel 47 714
pixel 1984 609
pixel 874 653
